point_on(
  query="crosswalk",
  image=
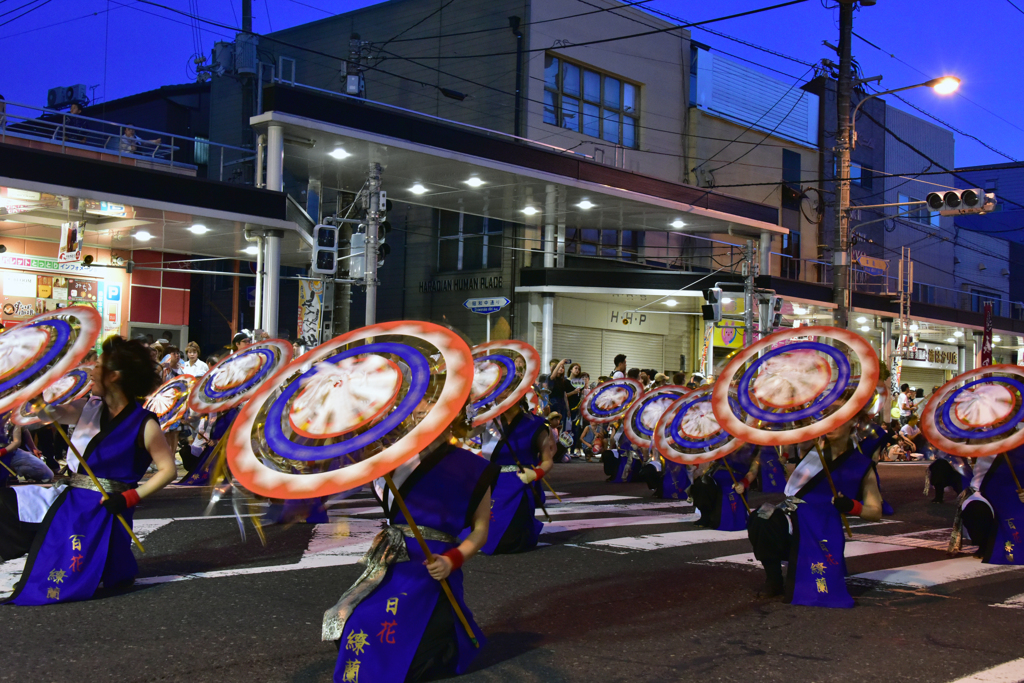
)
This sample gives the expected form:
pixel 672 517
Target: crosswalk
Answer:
pixel 879 556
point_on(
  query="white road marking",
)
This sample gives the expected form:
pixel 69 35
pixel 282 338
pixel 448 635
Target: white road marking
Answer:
pixel 936 573
pixel 853 549
pixel 1016 602
pixel 610 522
pixel 670 508
pixel 1011 672
pixel 672 539
pixel 588 499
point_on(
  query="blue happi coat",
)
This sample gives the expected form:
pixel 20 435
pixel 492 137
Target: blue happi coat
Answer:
pixel 675 480
pixel 1000 490
pixel 380 638
pixel 79 543
pixel 773 474
pixel 200 474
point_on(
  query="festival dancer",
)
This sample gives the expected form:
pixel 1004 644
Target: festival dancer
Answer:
pixel 525 455
pixel 947 470
pixel 666 478
pixel 807 528
pixel 208 434
pixel 76 542
pixel 395 623
pixel 717 494
pixel 623 463
pixel 993 509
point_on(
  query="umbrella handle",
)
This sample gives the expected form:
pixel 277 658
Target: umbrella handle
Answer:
pixel 430 557
pixel 88 470
pixel 1009 464
pixel 832 484
pixel 734 481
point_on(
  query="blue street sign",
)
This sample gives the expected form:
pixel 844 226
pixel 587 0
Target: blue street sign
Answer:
pixel 250 295
pixel 487 305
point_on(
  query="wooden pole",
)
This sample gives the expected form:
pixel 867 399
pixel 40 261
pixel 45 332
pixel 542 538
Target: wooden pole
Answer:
pixel 832 484
pixel 734 481
pixel 88 470
pixel 1016 481
pixel 430 557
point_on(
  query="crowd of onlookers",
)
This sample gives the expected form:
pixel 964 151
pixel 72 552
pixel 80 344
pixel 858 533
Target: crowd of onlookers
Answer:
pixel 563 389
pixel 910 442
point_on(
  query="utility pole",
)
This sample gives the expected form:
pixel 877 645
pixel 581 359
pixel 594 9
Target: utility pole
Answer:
pixel 748 292
pixel 841 247
pixel 373 209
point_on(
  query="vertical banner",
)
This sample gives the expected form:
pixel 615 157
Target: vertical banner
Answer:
pixel 709 338
pixel 311 311
pixel 70 250
pixel 897 367
pixel 986 340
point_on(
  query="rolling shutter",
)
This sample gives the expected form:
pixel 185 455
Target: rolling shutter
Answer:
pixel 642 350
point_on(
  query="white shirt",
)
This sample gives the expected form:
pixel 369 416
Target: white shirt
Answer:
pixel 196 369
pixel 618 375
pixel 906 405
pixel 910 431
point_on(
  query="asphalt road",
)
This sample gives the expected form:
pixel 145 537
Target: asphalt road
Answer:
pixel 626 589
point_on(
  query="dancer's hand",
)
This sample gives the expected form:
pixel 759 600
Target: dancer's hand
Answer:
pixel 739 487
pixel 1020 495
pixel 527 476
pixel 440 568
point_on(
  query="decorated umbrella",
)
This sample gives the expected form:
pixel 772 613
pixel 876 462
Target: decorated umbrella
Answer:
pixel 39 352
pixel 74 385
pixel 978 413
pixel 644 414
pixel 610 400
pixel 238 376
pixel 688 433
pixel 796 385
pixel 352 410
pixel 503 373
pixel 170 401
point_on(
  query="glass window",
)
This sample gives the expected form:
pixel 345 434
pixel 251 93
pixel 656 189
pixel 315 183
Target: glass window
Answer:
pixel 549 108
pixel 610 107
pixel 571 79
pixel 570 113
pixel 979 297
pixel 918 213
pixel 468 242
pixel 551 72
pixel 592 120
pixel 610 129
pixel 628 98
pixel 592 86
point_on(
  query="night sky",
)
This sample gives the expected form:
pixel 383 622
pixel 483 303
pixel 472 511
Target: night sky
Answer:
pixel 126 47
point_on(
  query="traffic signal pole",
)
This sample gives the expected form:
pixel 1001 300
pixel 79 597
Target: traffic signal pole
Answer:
pixel 841 247
pixel 373 209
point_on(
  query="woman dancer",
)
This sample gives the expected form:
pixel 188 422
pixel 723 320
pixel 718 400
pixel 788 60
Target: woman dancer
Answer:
pixel 73 539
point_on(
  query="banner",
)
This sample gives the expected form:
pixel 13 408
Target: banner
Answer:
pixel 896 368
pixel 709 335
pixel 70 250
pixel 986 340
pixel 311 311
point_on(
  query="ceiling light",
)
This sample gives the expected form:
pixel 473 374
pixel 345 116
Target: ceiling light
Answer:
pixel 531 211
pixel 671 302
pixel 143 236
pixel 339 153
pixel 474 182
pixel 914 328
pixel 958 333
pixel 677 223
pixel 252 250
pixel 862 320
pixel 997 339
pixel 418 189
pixel 198 229
pixel 726 300
pixel 586 204
pixel 951 340
pixel 945 85
pixel 865 328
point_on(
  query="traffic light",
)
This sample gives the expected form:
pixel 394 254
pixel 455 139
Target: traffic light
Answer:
pixel 357 260
pixel 325 250
pixel 775 313
pixel 712 310
pixel 961 202
pixel 382 253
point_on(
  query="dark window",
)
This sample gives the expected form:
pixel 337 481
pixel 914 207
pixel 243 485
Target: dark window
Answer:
pixel 468 242
pixel 790 179
pixel 590 102
pixel 924 294
pixel 918 213
pixel 980 296
pixel 693 75
pixel 791 255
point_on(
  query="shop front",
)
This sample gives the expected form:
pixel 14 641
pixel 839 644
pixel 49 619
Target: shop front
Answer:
pixel 927 365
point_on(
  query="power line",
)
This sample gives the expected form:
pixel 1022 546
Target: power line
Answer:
pixel 28 11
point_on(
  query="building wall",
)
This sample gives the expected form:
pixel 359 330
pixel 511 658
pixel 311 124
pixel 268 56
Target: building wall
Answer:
pixel 981 264
pixel 657 63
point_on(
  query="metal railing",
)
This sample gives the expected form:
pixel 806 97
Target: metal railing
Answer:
pixel 156 148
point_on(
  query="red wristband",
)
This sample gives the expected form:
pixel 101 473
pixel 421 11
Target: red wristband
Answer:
pixel 3 452
pixel 131 496
pixel 454 556
pixel 857 507
pixel 747 480
pixel 539 472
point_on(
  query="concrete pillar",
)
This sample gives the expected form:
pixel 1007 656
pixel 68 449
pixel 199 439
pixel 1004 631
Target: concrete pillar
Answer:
pixel 275 157
pixel 547 328
pixel 550 196
pixel 764 252
pixel 271 278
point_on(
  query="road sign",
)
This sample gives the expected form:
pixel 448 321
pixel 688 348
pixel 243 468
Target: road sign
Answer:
pixel 873 266
pixel 486 306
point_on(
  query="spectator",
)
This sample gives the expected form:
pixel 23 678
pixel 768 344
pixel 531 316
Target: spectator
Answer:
pixel 171 363
pixel 696 379
pixel 559 387
pixel 660 380
pixel 679 378
pixel 906 403
pixel 578 381
pixel 74 126
pixel 130 141
pixel 193 366
pixel 645 379
pixel 260 335
pixel 620 366
pixel 910 439
pixel 240 341
pixel 634 373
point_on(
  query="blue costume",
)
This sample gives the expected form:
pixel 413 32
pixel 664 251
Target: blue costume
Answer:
pixel 79 543
pixel 807 530
pixel 395 623
pixel 623 465
pixel 514 524
pixel 713 494
pixel 993 514
pixel 773 474
pixel 667 478
pixel 200 474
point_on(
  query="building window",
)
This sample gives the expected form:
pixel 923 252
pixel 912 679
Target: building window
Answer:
pixel 924 294
pixel 918 213
pixel 791 256
pixel 201 151
pixel 624 245
pixel 861 176
pixel 468 242
pixel 587 101
pixel 693 74
pixel 791 165
pixel 980 296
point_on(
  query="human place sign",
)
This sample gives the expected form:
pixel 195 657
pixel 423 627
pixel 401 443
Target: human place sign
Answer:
pixel 486 305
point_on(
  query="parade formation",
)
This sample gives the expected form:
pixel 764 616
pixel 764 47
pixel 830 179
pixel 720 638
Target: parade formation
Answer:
pixel 443 436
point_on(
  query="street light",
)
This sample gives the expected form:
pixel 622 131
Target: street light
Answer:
pixel 943 85
pixel 846 140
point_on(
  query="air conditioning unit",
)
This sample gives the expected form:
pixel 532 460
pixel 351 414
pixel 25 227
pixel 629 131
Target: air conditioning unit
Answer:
pixel 61 98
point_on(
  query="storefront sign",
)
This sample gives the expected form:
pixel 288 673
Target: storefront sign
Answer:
pixel 70 249
pixel 19 284
pixel 729 334
pixel 934 356
pixel 462 284
pixel 24 262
